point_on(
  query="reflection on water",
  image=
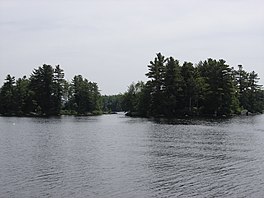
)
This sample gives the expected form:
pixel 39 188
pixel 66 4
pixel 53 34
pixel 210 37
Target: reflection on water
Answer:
pixel 117 156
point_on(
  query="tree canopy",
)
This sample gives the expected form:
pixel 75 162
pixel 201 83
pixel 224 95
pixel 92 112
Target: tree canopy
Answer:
pixel 209 88
pixel 47 93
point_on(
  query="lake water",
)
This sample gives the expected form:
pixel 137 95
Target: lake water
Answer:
pixel 120 157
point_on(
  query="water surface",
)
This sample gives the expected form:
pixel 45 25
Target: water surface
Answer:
pixel 118 156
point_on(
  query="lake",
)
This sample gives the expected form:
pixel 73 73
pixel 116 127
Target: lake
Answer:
pixel 122 157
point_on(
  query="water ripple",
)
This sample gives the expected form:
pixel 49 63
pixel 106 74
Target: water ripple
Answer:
pixel 117 156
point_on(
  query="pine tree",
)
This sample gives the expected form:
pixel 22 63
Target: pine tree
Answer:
pixel 41 83
pixel 7 99
pixel 220 96
pixel 22 96
pixel 58 82
pixel 156 75
pixel 173 92
pixel 189 86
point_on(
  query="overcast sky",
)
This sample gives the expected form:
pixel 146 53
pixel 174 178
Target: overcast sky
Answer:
pixel 112 41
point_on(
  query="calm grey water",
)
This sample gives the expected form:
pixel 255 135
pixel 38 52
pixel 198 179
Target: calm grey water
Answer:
pixel 118 156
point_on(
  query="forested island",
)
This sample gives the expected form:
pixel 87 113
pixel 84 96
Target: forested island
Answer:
pixel 209 88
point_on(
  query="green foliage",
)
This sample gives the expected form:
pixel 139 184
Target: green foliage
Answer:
pixel 250 93
pixel 83 97
pixel 189 87
pixel 7 96
pixel 41 83
pixel 220 95
pixel 156 75
pixel 58 83
pixel 173 92
pixel 211 88
pixel 134 100
pixel 46 93
pixel 22 96
pixel 112 104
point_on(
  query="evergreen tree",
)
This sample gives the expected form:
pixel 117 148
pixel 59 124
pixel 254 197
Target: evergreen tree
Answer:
pixel 189 86
pixel 23 96
pixel 58 83
pixel 7 99
pixel 95 98
pixel 249 91
pixel 220 95
pixel 41 83
pixel 242 84
pixel 156 75
pixel 254 91
pixel 134 100
pixel 144 98
pixel 86 97
pixel 173 91
pixel 209 88
pixel 112 103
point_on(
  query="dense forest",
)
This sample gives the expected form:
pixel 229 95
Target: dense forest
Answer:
pixel 47 93
pixel 209 88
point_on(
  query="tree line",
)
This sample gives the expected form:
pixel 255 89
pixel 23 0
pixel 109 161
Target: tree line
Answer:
pixel 47 93
pixel 209 88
